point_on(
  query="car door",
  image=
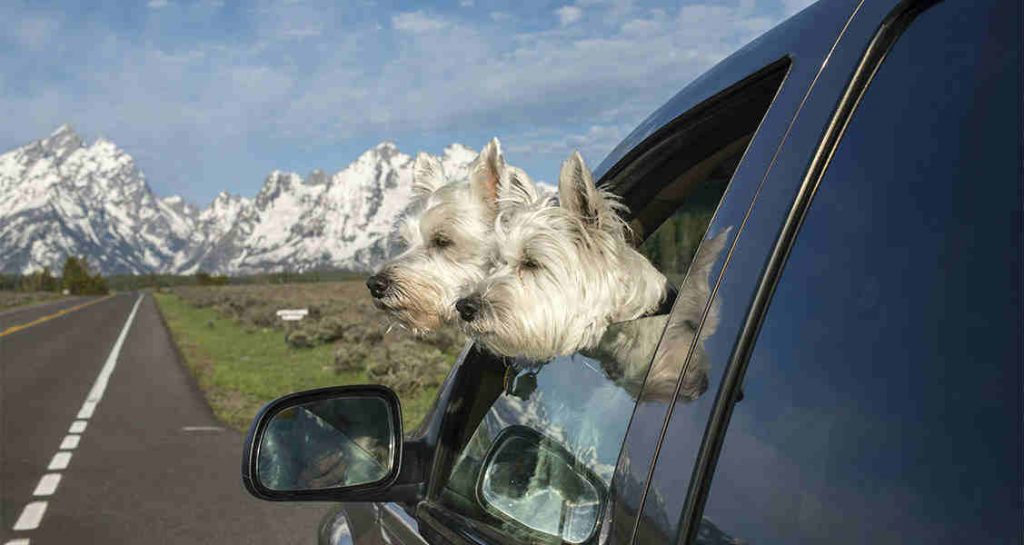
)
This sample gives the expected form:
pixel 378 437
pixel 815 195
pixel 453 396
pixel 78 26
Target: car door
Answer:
pixel 821 47
pixel 702 155
pixel 881 400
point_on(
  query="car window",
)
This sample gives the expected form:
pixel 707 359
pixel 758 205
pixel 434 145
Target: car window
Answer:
pixel 540 459
pixel 532 449
pixel 882 399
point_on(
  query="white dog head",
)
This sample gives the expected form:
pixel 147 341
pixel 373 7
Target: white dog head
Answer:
pixel 562 274
pixel 447 237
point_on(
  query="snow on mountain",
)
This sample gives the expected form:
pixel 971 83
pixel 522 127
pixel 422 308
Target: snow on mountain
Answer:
pixel 60 196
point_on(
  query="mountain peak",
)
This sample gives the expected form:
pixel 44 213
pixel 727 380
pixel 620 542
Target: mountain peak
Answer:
pixel 61 142
pixel 317 177
pixel 385 150
pixel 63 129
pixel 460 153
pixel 108 213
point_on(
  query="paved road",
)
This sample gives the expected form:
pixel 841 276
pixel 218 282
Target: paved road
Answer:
pixel 151 465
pixel 26 314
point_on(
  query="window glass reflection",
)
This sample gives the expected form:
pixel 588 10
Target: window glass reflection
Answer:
pixel 882 398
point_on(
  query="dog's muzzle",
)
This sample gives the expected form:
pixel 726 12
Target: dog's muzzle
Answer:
pixel 468 307
pixel 378 285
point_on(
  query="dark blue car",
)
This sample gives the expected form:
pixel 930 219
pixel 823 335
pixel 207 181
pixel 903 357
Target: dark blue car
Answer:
pixel 864 341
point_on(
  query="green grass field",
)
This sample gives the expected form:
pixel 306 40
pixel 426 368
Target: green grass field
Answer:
pixel 240 367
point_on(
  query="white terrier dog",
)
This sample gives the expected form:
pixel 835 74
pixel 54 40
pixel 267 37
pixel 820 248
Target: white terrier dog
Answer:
pixel 562 274
pixel 566 279
pixel 447 235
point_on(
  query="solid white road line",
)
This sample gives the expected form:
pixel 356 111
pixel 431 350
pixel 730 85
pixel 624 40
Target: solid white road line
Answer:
pixel 78 426
pixel 100 386
pixel 70 442
pixel 87 408
pixel 30 516
pixel 59 461
pixel 47 485
pixel 19 541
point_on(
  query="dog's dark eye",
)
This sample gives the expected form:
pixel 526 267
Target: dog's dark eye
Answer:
pixel 441 241
pixel 529 264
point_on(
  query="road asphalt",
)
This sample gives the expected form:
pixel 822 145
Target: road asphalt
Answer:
pixel 152 464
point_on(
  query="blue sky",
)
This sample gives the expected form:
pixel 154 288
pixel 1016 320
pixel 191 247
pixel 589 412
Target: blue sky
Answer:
pixel 212 95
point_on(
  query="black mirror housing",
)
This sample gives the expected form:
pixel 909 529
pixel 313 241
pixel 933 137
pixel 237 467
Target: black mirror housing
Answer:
pixel 341 443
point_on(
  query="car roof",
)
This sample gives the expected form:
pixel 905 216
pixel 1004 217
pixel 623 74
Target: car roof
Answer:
pixel 775 44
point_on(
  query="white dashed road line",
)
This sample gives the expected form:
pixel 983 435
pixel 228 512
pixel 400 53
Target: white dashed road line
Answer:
pixel 70 442
pixel 59 461
pixel 201 428
pixel 47 485
pixel 87 408
pixel 32 515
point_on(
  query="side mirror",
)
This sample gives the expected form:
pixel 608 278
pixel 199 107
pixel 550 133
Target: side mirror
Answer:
pixel 335 444
pixel 536 483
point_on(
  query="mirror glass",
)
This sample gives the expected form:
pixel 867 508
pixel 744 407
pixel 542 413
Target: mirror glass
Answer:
pixel 537 484
pixel 329 443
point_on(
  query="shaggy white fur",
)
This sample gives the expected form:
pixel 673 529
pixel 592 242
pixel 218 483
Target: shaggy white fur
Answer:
pixel 566 279
pixel 447 237
pixel 562 274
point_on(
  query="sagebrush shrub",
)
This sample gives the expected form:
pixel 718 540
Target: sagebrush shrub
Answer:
pixel 445 339
pixel 408 366
pixel 332 328
pixel 350 357
pixel 300 338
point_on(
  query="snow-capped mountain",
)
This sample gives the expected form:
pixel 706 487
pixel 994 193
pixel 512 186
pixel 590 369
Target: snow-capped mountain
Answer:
pixel 60 196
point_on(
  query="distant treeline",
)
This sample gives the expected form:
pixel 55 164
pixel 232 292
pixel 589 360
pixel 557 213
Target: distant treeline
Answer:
pixel 45 280
pixel 127 282
pixel 75 279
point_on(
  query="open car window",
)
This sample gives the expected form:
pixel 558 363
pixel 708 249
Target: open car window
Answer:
pixel 530 448
pixel 537 457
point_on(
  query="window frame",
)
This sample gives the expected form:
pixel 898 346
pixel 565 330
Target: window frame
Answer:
pixel 438 522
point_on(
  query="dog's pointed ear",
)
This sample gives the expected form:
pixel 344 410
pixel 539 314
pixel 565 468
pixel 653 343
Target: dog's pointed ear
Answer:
pixel 486 173
pixel 427 175
pixel 516 189
pixel 577 193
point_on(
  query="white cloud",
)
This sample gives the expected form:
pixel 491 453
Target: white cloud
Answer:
pixel 157 4
pixel 568 15
pixel 417 22
pixel 545 91
pixel 793 6
pixel 594 143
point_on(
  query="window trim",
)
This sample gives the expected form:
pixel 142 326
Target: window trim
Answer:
pixel 670 140
pixel 630 178
pixel 889 31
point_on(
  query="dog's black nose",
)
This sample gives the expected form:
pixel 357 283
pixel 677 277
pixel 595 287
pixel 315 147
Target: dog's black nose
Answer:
pixel 468 307
pixel 378 284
